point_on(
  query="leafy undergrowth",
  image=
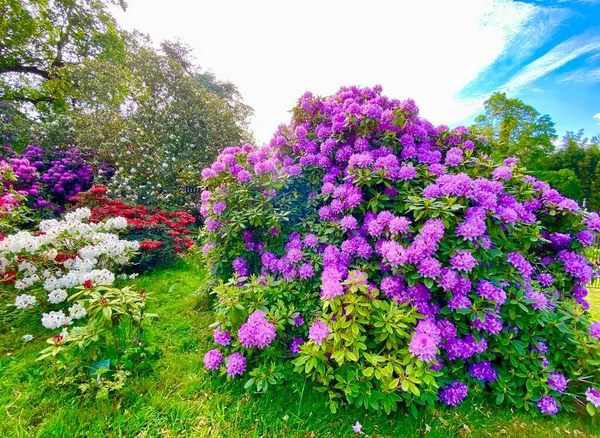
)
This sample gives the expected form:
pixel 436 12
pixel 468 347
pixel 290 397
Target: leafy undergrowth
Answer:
pixel 175 397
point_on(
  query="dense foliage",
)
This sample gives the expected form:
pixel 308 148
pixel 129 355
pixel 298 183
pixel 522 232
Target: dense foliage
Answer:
pixel 161 235
pixel 570 165
pixel 391 262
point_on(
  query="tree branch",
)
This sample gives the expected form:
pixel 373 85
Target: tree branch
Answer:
pixel 32 100
pixel 25 69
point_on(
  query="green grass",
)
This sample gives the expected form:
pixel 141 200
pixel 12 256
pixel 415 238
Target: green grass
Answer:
pixel 176 397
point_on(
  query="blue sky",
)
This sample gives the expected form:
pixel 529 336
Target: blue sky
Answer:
pixel 449 55
pixel 554 65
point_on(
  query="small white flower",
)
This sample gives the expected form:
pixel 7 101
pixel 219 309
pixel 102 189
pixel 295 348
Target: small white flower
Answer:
pixel 27 338
pixel 57 296
pixel 25 301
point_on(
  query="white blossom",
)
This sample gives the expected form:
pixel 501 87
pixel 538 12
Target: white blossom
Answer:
pixel 53 320
pixel 57 296
pixel 25 301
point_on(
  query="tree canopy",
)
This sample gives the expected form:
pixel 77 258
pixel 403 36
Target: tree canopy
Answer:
pixel 516 129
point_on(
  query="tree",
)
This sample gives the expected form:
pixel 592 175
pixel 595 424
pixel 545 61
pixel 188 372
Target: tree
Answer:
pixel 40 41
pixel 153 118
pixel 70 77
pixel 563 180
pixel 516 129
pixel 582 156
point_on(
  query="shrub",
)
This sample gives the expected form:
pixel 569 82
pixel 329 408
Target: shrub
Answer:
pixel 65 272
pixel 161 235
pixel 396 264
pixel 12 209
pixel 48 179
pixel 41 269
pixel 109 342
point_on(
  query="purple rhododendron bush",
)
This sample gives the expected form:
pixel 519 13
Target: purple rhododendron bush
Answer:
pixel 391 262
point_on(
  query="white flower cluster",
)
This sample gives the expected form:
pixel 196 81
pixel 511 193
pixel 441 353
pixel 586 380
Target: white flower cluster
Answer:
pixel 77 311
pixel 25 301
pixel 57 296
pixel 53 320
pixel 78 277
pixel 64 254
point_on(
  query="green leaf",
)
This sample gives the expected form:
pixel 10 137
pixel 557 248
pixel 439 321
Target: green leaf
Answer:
pixel 249 383
pixel 107 313
pixel 590 409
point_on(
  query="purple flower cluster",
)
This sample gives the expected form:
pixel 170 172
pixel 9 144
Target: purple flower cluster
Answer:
pixel 594 330
pixel 240 267
pixel 463 261
pixel 453 394
pixel 483 371
pixel 548 405
pixel 49 179
pixel 318 332
pixel 221 338
pixel 295 346
pixel 236 364
pixel 212 359
pixel 557 381
pixel 592 395
pixel 425 340
pixel 490 291
pixel 257 332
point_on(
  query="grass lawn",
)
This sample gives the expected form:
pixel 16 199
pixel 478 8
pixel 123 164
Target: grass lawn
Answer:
pixel 175 396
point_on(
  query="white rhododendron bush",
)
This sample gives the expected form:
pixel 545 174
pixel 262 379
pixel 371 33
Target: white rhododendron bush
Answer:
pixel 41 270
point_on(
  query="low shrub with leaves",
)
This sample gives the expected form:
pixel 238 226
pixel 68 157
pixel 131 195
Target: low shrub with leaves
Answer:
pixel 162 235
pixel 103 352
pixel 65 272
pixel 391 262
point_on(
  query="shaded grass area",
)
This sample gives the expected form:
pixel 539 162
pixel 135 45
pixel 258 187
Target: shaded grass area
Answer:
pixel 176 397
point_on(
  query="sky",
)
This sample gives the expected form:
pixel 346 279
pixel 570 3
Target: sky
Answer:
pixel 449 56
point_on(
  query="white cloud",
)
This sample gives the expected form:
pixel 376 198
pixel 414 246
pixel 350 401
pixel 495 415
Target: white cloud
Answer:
pixel 274 51
pixel 582 76
pixel 596 116
pixel 558 56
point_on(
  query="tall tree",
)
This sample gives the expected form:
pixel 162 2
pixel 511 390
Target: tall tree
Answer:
pixel 39 38
pixel 516 129
pixel 582 156
pixel 40 41
pixel 153 118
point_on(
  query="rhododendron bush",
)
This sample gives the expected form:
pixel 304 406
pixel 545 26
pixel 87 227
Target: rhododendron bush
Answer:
pixel 392 262
pixel 162 235
pixel 48 179
pixel 42 269
pixel 65 274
